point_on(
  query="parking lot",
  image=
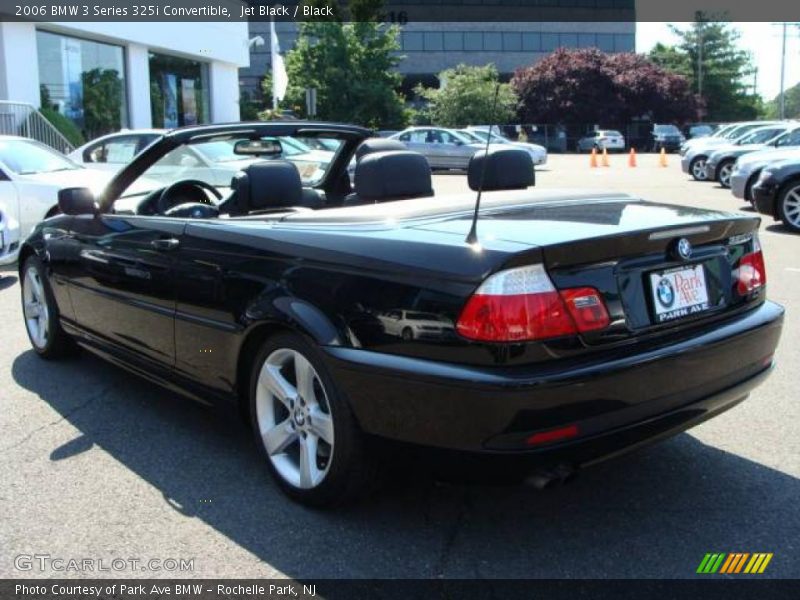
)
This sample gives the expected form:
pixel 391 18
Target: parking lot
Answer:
pixel 98 464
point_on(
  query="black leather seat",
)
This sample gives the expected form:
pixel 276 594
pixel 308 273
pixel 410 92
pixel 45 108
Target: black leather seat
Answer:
pixel 373 145
pixel 394 175
pixel 506 169
pixel 266 186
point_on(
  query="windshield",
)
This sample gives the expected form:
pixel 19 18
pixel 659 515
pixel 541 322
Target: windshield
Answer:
pixel 26 157
pixel 484 136
pixel 215 162
pixel 760 136
pixel 667 130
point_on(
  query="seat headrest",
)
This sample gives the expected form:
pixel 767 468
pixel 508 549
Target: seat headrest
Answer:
pixel 373 145
pixel 268 184
pixel 393 176
pixel 506 169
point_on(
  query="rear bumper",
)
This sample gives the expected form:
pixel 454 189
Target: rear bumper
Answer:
pixel 614 402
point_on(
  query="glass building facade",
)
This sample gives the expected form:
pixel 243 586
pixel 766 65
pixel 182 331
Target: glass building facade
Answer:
pixel 84 80
pixel 179 93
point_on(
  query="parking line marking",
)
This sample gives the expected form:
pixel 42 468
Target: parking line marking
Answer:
pixel 793 269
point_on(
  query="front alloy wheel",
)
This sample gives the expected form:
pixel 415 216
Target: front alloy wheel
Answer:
pixel 40 312
pixel 789 207
pixel 698 168
pixel 725 172
pixel 304 427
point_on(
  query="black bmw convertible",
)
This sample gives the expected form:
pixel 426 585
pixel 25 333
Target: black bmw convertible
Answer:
pixel 560 328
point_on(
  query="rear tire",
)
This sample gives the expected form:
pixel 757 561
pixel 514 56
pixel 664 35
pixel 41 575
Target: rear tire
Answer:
pixel 304 427
pixel 40 313
pixel 698 168
pixel 789 206
pixel 725 170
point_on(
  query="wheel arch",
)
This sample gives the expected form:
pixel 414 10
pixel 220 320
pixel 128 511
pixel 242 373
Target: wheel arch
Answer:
pixel 286 315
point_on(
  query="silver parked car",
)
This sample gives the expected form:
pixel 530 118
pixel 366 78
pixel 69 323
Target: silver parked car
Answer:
pixel 444 148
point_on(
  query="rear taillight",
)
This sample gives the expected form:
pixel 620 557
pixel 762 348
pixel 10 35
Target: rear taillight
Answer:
pixel 522 304
pixel 752 273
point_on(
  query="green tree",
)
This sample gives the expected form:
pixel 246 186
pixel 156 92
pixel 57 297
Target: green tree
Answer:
pixel 719 71
pixel 466 97
pixel 102 101
pixel 791 106
pixel 352 66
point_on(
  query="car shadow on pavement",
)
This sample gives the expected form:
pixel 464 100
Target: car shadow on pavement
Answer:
pixel 780 228
pixel 654 513
pixel 7 281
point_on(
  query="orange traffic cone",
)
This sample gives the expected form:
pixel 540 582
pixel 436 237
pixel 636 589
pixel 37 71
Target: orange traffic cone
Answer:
pixel 662 159
pixel 593 160
pixel 605 158
pixel 632 158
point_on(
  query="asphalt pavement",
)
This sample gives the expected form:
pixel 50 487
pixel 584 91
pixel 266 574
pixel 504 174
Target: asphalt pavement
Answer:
pixel 97 464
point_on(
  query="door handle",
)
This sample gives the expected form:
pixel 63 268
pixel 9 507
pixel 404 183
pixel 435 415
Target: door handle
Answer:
pixel 165 245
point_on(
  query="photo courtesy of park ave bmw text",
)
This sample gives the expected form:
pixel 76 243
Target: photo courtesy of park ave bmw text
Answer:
pixel 350 299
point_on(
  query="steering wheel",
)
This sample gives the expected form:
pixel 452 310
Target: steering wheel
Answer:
pixel 165 202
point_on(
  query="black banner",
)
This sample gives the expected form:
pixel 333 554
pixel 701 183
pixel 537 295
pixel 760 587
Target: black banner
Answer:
pixel 263 589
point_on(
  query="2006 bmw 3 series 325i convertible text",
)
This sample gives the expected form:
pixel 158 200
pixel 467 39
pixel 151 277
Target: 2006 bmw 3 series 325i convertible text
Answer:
pixel 335 300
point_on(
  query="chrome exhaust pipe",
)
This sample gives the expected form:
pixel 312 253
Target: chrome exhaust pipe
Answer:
pixel 549 478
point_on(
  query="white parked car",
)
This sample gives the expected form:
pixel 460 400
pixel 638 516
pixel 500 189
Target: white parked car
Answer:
pixel 113 151
pixel 538 153
pixel 9 237
pixel 31 175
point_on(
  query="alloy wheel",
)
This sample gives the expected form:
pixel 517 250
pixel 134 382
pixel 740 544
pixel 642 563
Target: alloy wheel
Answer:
pixel 699 169
pixel 725 172
pixel 294 418
pixel 34 306
pixel 790 208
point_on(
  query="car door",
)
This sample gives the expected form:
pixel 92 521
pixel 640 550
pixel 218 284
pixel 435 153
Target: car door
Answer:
pixel 122 281
pixel 457 152
pixel 114 153
pixel 416 140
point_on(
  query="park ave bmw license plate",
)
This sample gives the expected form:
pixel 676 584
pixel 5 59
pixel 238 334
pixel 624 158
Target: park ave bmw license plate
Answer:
pixel 679 293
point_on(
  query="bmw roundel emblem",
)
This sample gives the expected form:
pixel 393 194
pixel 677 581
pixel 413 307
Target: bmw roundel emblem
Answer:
pixel 665 293
pixel 683 249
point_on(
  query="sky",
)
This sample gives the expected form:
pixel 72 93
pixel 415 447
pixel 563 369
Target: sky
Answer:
pixel 762 40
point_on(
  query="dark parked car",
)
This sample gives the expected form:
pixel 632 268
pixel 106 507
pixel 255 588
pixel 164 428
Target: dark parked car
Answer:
pixel 668 137
pixel 577 327
pixel 777 192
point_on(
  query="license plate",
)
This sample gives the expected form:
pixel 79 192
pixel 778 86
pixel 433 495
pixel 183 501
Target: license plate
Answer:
pixel 679 293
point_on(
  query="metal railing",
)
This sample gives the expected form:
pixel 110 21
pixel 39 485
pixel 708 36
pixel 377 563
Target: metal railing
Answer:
pixel 23 119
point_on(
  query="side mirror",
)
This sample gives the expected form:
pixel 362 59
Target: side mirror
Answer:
pixel 77 201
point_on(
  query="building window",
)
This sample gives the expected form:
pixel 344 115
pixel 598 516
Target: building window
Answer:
pixel 549 42
pixel 568 40
pixel 454 41
pixel 412 41
pixel 624 42
pixel 84 81
pixel 178 91
pixel 512 42
pixel 473 41
pixel 434 41
pixel 587 40
pixel 493 42
pixel 531 42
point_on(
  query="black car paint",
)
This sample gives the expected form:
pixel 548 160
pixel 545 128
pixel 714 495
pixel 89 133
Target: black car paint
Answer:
pixel 191 318
pixel 766 191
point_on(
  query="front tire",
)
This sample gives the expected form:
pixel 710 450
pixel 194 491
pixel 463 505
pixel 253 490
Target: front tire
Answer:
pixel 698 168
pixel 40 313
pixel 789 206
pixel 304 427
